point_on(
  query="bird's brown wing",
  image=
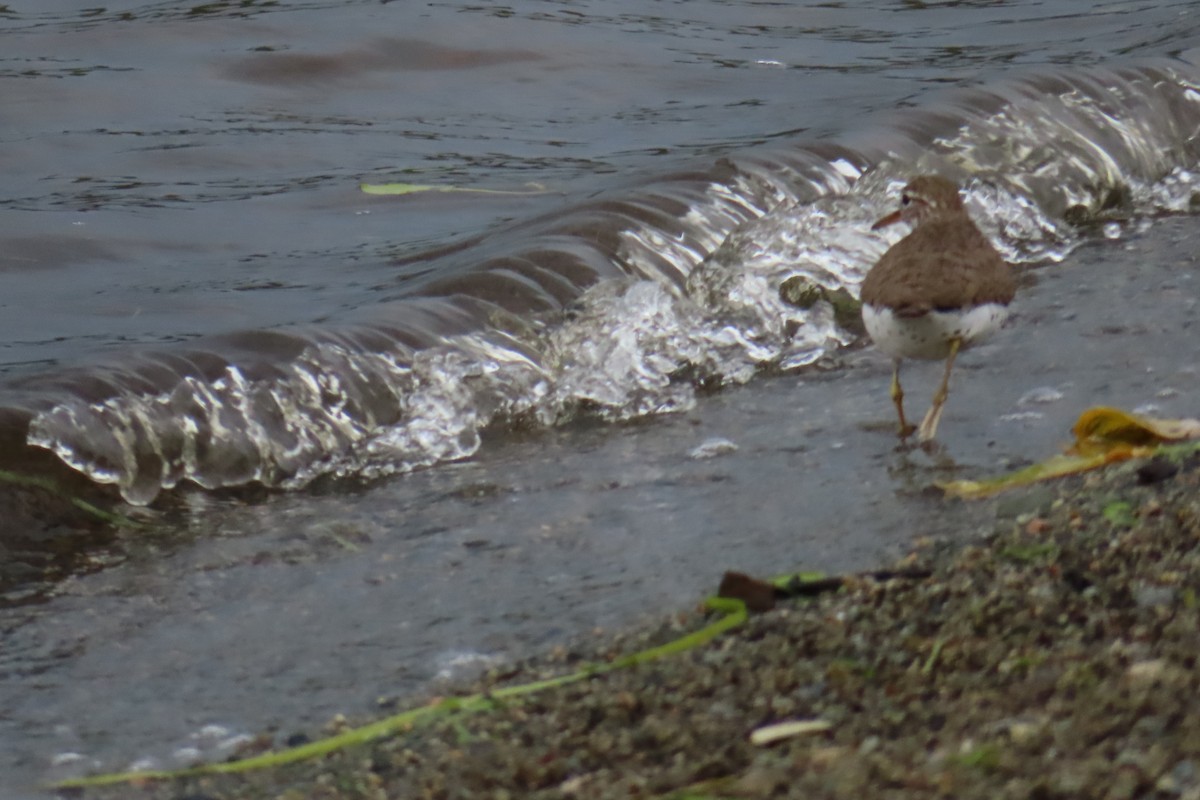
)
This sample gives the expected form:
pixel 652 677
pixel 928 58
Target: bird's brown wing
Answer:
pixel 939 265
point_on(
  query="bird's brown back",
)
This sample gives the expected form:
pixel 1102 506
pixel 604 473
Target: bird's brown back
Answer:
pixel 945 263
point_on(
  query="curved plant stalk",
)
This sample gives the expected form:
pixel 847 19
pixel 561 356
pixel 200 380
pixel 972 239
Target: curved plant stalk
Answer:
pixel 416 188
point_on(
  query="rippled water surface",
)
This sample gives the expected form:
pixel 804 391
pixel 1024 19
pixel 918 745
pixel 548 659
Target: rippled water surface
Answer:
pixel 195 293
pixel 173 171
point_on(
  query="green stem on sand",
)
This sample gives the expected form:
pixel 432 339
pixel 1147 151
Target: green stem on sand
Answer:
pixel 733 613
pixel 50 486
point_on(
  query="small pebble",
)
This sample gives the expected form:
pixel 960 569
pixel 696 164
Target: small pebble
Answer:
pixel 1152 596
pixel 62 759
pixel 1042 395
pixel 1146 672
pixel 187 756
pixel 711 448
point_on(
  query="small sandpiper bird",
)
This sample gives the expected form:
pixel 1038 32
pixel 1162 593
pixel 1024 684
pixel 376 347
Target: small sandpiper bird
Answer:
pixel 936 291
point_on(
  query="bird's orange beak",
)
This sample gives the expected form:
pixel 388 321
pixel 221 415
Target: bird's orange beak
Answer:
pixel 890 219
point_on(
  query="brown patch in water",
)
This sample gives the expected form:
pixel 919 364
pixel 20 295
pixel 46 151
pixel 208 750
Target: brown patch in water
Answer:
pixel 382 55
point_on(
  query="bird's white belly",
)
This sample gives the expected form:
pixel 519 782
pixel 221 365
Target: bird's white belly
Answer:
pixel 929 335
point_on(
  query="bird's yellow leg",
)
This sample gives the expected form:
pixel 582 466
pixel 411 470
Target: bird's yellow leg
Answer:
pixel 929 425
pixel 898 399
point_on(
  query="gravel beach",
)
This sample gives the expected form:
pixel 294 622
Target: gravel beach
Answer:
pixel 1054 657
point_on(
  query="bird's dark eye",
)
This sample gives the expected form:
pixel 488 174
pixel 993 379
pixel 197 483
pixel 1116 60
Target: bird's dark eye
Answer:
pixel 905 199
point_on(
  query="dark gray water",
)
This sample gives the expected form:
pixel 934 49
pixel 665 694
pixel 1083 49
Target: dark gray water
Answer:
pixel 182 180
pixel 173 172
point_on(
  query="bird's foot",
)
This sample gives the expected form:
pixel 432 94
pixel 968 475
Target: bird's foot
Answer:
pixel 931 447
pixel 904 433
pixel 929 425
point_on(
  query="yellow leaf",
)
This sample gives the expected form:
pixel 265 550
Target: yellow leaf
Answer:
pixel 1101 429
pixel 1102 436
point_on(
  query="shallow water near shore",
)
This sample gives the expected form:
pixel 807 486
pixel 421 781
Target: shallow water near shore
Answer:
pixel 223 207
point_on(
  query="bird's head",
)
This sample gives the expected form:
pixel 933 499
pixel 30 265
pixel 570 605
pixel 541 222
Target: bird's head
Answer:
pixel 924 197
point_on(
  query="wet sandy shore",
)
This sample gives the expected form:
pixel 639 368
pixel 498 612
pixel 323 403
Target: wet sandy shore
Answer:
pixel 1051 654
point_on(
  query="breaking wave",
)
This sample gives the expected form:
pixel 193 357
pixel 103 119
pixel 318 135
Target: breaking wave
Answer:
pixel 626 305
